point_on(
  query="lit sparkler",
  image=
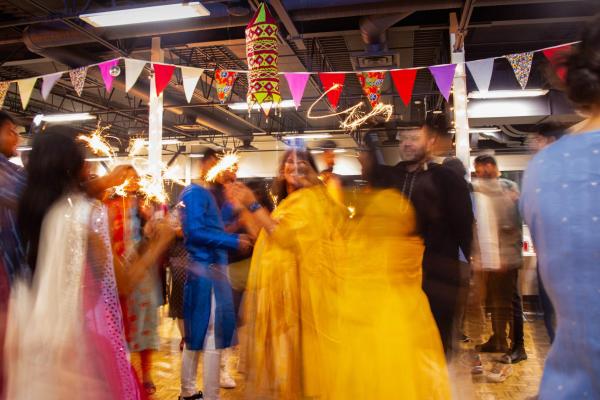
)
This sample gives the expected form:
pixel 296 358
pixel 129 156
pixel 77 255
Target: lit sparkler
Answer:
pixel 97 142
pixel 227 162
pixel 354 116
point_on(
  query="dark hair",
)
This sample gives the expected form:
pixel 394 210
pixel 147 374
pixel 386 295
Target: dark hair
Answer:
pixel 552 129
pixel 279 187
pixel 54 168
pixel 5 117
pixel 455 165
pixel 435 124
pixel 209 152
pixel 328 145
pixel 583 68
pixel 485 159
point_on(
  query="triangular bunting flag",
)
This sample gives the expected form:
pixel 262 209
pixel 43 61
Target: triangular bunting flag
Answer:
pixel 328 80
pixel 556 55
pixel 521 64
pixel 48 82
pixel 481 71
pixel 224 80
pixel 443 75
pixel 3 91
pixel 297 84
pixel 25 89
pixel 133 69
pixel 190 76
pixel 404 80
pixel 105 71
pixel 371 83
pixel 162 76
pixel 78 79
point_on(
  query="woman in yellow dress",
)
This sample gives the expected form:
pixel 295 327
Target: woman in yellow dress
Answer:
pixel 388 345
pixel 333 318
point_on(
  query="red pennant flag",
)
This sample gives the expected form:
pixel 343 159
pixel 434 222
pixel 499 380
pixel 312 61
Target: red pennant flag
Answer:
pixel 328 80
pixel 555 55
pixel 404 80
pixel 162 76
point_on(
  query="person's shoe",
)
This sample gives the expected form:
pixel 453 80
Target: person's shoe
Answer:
pixel 499 373
pixel 226 381
pixel 196 396
pixel 492 346
pixel 476 365
pixel 514 356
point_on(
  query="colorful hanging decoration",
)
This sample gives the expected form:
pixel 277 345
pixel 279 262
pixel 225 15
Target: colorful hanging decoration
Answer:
pixel 48 82
pixel 404 80
pixel 481 71
pixel 371 83
pixel 443 75
pixel 190 76
pixel 334 81
pixel 556 55
pixel 297 84
pixel 3 91
pixel 133 70
pixel 262 56
pixel 78 79
pixel 225 81
pixel 162 76
pixel 521 64
pixel 105 69
pixel 26 89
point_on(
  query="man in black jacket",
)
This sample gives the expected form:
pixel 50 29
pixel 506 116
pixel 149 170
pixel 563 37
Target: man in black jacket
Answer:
pixel 445 219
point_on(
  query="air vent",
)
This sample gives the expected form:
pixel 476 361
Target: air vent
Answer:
pixel 374 61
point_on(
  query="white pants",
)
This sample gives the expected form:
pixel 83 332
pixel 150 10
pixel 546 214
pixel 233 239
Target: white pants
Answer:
pixel 211 368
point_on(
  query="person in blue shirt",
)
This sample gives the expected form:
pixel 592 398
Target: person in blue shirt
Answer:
pixel 561 205
pixel 209 316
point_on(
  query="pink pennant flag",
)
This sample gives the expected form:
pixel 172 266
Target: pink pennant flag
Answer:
pixel 297 83
pixel 48 82
pixel 105 71
pixel 162 76
pixel 443 75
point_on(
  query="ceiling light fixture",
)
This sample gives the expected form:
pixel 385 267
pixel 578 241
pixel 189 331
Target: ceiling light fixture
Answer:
pixel 504 94
pixel 38 119
pixel 255 106
pixel 309 136
pixel 140 15
pixel 196 155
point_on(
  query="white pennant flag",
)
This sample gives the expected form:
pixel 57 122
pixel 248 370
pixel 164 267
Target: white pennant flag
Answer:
pixel 481 70
pixel 48 82
pixel 190 80
pixel 133 69
pixel 25 89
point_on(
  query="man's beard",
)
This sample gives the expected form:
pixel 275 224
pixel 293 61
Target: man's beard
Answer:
pixel 415 158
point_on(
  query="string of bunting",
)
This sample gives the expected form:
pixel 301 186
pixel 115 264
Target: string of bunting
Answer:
pixel 371 81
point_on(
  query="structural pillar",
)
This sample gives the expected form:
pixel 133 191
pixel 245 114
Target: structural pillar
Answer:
pixel 459 99
pixel 155 117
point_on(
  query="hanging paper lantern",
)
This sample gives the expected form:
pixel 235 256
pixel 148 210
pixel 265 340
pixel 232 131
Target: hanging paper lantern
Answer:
pixel 225 80
pixel 262 55
pixel 371 83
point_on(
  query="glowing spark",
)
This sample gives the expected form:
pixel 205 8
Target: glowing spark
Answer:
pixel 153 189
pixel 274 198
pixel 120 190
pixel 97 143
pixel 354 116
pixel 172 173
pixel 352 211
pixel 136 147
pixel 226 163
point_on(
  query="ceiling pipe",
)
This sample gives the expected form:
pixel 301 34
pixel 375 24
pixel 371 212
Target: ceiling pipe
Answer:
pixel 374 27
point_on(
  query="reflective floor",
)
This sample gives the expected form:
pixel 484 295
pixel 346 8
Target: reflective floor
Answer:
pixel 521 384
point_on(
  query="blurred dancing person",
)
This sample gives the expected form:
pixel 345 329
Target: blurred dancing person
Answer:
pixel 287 306
pixel 208 304
pixel 444 219
pixel 561 205
pixel 65 334
pixel 12 182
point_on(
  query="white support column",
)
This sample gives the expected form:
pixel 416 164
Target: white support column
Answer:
pixel 155 116
pixel 459 98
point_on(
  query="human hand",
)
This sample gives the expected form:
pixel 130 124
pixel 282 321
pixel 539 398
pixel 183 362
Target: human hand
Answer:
pixel 245 242
pixel 239 194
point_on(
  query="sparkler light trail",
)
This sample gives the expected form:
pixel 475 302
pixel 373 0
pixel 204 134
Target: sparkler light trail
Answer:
pixel 226 162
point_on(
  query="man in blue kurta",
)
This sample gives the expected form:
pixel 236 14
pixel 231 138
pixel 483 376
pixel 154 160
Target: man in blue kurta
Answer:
pixel 209 316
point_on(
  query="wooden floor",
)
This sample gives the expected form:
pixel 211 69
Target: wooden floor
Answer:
pixel 521 385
